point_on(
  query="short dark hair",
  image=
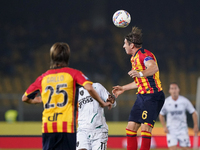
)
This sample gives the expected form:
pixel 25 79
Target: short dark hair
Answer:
pixel 174 83
pixel 135 36
pixel 59 55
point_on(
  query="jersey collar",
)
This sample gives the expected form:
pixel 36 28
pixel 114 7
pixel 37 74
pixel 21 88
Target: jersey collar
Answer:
pixel 141 49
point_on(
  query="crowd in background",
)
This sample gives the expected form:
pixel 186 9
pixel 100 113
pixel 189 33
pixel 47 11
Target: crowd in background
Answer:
pixel 97 46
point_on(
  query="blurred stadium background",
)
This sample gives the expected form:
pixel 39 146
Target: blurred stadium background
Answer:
pixel 171 30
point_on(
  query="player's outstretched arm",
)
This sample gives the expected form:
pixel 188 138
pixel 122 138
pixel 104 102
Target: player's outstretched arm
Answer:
pixel 36 100
pixel 118 90
pixel 195 121
pixel 96 96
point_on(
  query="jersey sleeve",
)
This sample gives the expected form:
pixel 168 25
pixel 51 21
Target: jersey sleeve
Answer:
pixel 163 110
pixel 34 88
pixel 101 90
pixel 189 107
pixel 81 79
pixel 147 59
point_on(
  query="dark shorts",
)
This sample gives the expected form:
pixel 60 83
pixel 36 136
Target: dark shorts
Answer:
pixel 147 108
pixel 59 141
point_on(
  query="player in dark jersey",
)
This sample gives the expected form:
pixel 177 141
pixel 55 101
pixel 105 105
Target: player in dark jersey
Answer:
pixel 59 94
pixel 150 98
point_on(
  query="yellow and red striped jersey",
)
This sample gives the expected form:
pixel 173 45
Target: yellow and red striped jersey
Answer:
pixel 58 88
pixel 150 84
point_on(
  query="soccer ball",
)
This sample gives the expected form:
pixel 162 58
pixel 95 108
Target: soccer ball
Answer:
pixel 121 18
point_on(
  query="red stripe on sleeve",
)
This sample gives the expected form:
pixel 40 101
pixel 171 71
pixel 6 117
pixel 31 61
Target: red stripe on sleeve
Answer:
pixel 45 128
pixel 64 126
pixel 54 126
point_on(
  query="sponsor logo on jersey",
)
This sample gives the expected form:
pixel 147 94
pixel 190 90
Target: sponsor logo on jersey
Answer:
pixel 176 112
pixel 85 100
pixel 54 117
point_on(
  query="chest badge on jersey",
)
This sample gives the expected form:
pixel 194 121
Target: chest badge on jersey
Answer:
pixel 81 92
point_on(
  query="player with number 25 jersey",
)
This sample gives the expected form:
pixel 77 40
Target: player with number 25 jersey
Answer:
pixel 59 93
pixel 58 90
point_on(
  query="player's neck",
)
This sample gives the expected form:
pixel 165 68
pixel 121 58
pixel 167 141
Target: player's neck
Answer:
pixel 175 98
pixel 135 50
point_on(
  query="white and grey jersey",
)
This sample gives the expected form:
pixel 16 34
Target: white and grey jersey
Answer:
pixel 175 111
pixel 90 113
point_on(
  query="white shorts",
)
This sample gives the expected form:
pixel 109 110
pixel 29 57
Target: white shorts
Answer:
pixel 182 138
pixel 92 140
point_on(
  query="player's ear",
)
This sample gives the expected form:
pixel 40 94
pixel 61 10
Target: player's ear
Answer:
pixel 132 45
